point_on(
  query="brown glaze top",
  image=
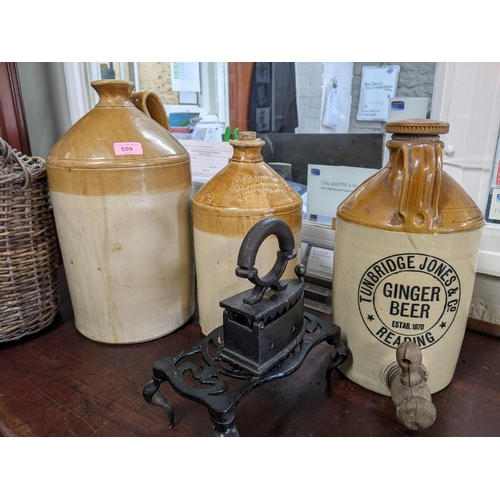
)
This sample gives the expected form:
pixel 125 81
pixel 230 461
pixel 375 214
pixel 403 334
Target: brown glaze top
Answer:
pixel 89 143
pixel 246 185
pixel 413 193
pixel 113 92
pixel 88 158
pixel 151 179
pixel 243 192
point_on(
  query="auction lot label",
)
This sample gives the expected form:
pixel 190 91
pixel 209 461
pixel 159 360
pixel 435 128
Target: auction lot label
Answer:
pixel 409 296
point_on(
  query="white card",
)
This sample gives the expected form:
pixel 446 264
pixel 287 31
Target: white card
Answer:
pixel 320 262
pixel 329 185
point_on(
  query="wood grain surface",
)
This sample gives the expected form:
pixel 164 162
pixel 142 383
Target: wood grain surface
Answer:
pixel 59 383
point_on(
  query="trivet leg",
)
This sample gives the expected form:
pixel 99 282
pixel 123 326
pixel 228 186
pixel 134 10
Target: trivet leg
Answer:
pixel 153 395
pixel 224 424
pixel 341 354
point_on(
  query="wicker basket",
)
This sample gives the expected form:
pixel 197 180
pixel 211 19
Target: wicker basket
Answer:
pixel 29 259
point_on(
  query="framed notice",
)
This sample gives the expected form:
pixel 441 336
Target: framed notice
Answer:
pixel 378 85
pixel 185 76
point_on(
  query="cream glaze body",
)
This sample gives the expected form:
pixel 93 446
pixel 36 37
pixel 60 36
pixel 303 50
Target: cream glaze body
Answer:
pixel 126 262
pixel 376 312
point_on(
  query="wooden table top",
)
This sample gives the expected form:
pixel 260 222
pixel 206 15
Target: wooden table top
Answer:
pixel 59 383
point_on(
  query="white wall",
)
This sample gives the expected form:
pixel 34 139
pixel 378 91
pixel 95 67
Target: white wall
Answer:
pixel 308 82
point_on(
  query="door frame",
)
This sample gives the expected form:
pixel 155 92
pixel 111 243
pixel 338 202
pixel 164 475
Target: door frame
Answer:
pixel 467 96
pixel 13 123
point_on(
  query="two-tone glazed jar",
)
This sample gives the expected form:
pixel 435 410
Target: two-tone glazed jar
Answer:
pixel 224 210
pixel 120 185
pixel 406 249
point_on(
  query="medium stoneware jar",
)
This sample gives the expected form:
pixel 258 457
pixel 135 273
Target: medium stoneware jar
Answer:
pixel 224 209
pixel 120 185
pixel 406 249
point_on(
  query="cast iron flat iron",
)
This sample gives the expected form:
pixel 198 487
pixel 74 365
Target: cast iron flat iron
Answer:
pixel 262 325
pixel 265 336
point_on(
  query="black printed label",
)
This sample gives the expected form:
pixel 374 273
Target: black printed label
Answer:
pixel 409 296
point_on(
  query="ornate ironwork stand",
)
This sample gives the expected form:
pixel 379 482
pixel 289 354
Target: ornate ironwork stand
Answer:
pixel 208 387
pixel 265 336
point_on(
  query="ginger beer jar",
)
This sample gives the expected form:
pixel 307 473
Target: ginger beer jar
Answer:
pixel 120 185
pixel 406 249
pixel 224 209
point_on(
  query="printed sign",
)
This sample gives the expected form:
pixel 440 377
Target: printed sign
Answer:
pixel 409 297
pixel 378 85
pixel 207 158
pixel 329 185
pixel 185 76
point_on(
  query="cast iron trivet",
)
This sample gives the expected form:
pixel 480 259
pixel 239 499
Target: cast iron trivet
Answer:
pixel 265 336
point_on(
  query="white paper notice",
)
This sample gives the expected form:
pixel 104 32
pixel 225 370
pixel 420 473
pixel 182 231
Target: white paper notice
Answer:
pixel 207 158
pixel 185 76
pixel 320 262
pixel 332 108
pixel 378 85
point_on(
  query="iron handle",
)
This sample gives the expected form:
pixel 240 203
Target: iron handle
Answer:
pixel 251 244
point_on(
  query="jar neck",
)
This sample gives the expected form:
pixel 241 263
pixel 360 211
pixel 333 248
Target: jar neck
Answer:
pixel 399 140
pixel 113 93
pixel 247 151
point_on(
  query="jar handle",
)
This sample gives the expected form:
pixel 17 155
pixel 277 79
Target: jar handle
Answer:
pixel 150 104
pixel 421 183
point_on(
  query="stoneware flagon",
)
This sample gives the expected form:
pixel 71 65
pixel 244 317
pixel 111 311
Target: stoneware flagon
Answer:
pixel 120 185
pixel 406 249
pixel 224 210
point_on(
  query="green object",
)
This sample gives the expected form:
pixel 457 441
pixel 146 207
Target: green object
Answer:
pixel 228 135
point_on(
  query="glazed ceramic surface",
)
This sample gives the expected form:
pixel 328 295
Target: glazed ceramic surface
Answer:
pixel 398 287
pixel 244 192
pixel 120 186
pixel 406 248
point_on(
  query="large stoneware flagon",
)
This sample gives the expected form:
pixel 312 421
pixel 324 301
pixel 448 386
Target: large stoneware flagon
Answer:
pixel 120 185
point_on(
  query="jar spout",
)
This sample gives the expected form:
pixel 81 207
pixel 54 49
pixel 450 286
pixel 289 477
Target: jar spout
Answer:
pixel 406 377
pixel 247 147
pixel 113 93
